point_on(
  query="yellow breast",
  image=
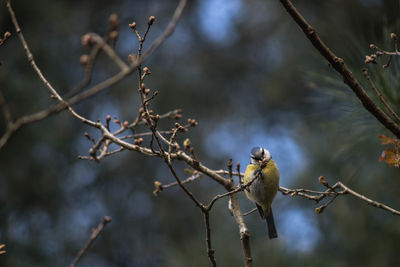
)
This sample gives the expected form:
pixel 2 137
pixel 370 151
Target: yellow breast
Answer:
pixel 263 189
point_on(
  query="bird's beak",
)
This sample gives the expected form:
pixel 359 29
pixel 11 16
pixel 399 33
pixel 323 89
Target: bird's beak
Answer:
pixel 263 163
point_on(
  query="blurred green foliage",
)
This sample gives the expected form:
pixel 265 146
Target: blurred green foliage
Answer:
pixel 242 64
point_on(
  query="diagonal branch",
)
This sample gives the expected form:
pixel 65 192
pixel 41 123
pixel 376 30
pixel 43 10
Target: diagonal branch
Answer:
pixel 96 232
pixel 339 65
pixel 347 190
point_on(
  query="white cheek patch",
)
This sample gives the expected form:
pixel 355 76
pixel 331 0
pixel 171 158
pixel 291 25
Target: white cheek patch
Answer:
pixel 267 155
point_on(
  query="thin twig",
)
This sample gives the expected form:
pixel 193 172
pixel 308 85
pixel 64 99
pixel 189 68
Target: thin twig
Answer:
pixel 168 161
pixel 87 72
pixel 317 196
pixel 95 233
pixel 380 96
pixel 234 190
pixel 238 173
pixel 331 192
pixel 249 212
pixel 210 250
pixel 388 53
pixel 368 200
pixel 170 29
pixel 191 178
pixel 109 51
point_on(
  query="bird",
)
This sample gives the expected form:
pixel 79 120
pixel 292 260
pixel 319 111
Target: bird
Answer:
pixel 261 183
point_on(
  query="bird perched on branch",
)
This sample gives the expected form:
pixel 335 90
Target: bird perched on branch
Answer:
pixel 261 181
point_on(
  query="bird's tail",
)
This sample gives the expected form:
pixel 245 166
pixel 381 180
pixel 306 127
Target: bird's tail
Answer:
pixel 270 222
pixel 271 225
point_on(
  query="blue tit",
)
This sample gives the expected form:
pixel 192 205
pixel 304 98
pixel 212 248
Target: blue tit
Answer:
pixel 263 189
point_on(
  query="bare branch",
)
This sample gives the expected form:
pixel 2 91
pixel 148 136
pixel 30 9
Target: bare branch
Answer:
pixel 332 192
pixel 109 51
pixel 170 29
pixel 210 250
pixel 95 233
pixel 244 232
pixel 339 65
pixel 180 155
pixel 371 202
pixel 95 89
pixel 159 186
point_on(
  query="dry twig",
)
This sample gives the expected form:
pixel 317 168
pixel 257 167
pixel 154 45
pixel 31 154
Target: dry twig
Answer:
pixel 95 233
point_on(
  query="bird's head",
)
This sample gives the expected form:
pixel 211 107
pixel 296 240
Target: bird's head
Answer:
pixel 259 154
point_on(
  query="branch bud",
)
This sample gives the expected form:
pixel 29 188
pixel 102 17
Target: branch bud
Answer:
pixel 158 188
pixel 108 118
pixel 187 143
pixel 146 71
pixel 107 219
pixel 320 209
pixel 322 180
pixel 192 122
pixel 151 20
pixel 84 60
pixel 113 20
pixel 86 40
pixel 138 141
pixel 7 35
pixel 370 59
pixel 132 25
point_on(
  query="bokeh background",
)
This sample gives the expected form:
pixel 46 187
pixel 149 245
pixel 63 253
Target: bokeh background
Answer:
pixel 246 73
